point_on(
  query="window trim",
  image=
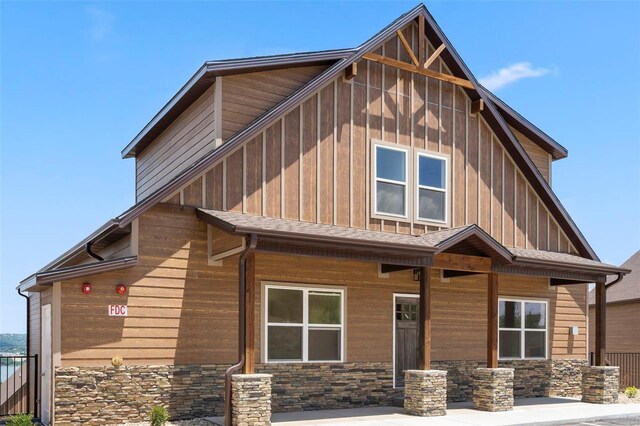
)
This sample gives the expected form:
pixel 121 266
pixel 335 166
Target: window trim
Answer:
pixel 305 288
pixel 447 187
pixel 523 329
pixel 375 144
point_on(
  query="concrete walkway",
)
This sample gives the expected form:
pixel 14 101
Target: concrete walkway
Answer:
pixel 534 411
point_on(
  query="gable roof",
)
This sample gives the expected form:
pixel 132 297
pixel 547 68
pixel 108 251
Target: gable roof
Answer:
pixel 204 78
pixel 628 288
pixel 340 59
pixel 524 126
pixel 457 66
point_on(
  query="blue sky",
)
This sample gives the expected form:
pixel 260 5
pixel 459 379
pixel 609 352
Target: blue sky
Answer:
pixel 79 80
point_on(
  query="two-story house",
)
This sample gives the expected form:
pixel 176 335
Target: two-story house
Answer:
pixel 338 227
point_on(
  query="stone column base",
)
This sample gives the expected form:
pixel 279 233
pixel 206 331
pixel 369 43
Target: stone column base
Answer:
pixel 425 392
pixel 600 384
pixel 493 389
pixel 251 399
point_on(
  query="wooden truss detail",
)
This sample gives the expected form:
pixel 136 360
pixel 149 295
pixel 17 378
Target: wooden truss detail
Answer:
pixel 418 70
pixel 434 56
pixel 407 47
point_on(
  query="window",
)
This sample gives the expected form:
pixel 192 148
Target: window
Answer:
pixel 390 181
pixel 432 188
pixel 522 329
pixel 303 324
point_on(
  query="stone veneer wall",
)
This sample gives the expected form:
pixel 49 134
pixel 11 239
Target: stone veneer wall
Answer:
pixel 532 378
pixel 316 386
pixel 251 399
pixel 188 391
pixel 115 395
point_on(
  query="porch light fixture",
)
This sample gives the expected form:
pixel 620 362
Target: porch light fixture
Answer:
pixel 121 289
pixel 86 288
pixel 416 274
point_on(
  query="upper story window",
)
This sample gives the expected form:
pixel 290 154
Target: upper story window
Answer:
pixel 522 329
pixel 391 181
pixel 432 197
pixel 303 324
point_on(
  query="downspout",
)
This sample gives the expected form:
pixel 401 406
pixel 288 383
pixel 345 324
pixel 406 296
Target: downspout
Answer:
pixel 87 248
pixel 29 353
pixel 28 319
pixel 616 281
pixel 242 297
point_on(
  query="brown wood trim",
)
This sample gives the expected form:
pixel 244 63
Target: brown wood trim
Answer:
pixel 84 270
pixel 250 314
pixel 601 323
pixel 548 272
pixel 354 253
pixel 417 70
pixel 424 323
pixel 492 321
pixel 460 262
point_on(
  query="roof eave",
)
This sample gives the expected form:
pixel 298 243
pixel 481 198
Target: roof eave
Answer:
pixel 210 69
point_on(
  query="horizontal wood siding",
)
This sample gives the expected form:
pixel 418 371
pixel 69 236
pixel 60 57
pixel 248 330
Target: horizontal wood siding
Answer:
pixel 246 97
pixel 182 311
pixel 314 164
pixel 186 140
pixel 540 157
pixel 34 323
pixel 623 334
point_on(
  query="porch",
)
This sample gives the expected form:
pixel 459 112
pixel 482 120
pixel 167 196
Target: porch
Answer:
pixel 543 410
pixel 467 255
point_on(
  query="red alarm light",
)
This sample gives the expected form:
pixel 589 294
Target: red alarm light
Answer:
pixel 121 289
pixel 86 288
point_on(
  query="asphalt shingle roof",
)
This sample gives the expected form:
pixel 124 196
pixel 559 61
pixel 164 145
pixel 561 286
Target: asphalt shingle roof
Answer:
pixel 628 288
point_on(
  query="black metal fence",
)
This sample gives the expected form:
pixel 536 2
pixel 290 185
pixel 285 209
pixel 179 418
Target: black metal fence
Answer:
pixel 19 385
pixel 629 363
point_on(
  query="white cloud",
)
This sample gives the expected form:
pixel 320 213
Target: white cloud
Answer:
pixel 100 24
pixel 505 76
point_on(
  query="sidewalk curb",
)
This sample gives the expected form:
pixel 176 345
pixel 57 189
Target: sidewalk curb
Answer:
pixel 585 419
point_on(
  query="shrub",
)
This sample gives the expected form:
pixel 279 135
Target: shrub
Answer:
pixel 631 391
pixel 158 416
pixel 20 420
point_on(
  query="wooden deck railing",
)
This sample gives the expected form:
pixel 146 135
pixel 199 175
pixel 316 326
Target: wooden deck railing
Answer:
pixel 629 363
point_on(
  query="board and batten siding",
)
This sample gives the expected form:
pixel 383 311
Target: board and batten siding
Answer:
pixel 314 163
pixel 623 335
pixel 185 141
pixel 183 311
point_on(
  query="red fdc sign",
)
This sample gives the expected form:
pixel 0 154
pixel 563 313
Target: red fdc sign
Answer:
pixel 117 310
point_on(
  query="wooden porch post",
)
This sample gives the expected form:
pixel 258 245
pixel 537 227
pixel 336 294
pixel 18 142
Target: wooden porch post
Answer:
pixel 601 323
pixel 424 323
pixel 250 314
pixel 492 321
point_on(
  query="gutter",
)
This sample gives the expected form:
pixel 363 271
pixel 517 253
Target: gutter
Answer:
pixel 553 264
pixel 242 298
pixel 616 281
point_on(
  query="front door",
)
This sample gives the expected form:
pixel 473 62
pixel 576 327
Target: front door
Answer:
pixel 45 392
pixel 406 332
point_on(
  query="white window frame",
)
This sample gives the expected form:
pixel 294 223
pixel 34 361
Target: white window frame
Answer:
pixel 407 165
pixel 306 289
pixel 523 329
pixel 446 190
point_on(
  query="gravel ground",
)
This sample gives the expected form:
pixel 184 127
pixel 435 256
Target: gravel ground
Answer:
pixel 623 399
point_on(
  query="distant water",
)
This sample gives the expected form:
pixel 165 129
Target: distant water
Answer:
pixel 7 370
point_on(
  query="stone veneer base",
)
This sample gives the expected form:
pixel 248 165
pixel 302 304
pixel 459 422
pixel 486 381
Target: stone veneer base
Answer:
pixel 251 399
pixel 493 389
pixel 600 384
pixel 425 392
pixel 127 393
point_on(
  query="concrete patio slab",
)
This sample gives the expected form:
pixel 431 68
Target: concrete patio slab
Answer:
pixel 533 411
